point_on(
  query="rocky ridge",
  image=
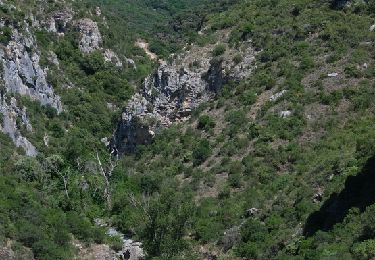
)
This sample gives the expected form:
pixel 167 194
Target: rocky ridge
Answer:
pixel 22 74
pixel 171 93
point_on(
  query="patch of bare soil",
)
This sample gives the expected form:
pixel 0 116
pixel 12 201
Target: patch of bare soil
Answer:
pixel 145 47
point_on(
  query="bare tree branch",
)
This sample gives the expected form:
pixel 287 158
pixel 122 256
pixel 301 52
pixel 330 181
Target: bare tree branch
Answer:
pixel 106 172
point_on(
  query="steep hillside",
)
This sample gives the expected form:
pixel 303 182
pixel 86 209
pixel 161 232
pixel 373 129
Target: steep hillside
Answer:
pixel 202 129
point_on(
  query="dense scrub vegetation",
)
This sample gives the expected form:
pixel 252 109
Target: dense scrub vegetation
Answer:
pixel 285 168
pixel 239 182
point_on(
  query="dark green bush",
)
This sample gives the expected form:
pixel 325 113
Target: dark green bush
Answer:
pixel 201 152
pixel 5 35
pixel 205 122
pixel 219 50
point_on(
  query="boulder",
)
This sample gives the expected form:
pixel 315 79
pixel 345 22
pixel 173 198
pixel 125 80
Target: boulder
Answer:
pixel 252 212
pixel 285 114
pixel 332 75
pixel 278 95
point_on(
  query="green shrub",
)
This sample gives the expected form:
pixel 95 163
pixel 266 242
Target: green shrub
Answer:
pixel 115 242
pixel 352 72
pixel 224 193
pixel 238 58
pixel 201 152
pixel 5 35
pixel 219 50
pixel 205 122
pixel 235 180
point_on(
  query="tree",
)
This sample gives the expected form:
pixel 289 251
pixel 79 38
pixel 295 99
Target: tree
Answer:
pixel 166 218
pixel 55 165
pixel 364 250
pixel 205 122
pixel 201 152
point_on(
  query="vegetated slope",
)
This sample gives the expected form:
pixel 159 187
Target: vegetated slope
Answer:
pixel 254 172
pixel 262 171
pixel 67 69
pixel 164 24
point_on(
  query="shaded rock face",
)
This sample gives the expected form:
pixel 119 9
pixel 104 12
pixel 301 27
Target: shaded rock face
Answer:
pixel 214 76
pixel 358 192
pixel 173 91
pixel 129 132
pixel 338 4
pixel 59 22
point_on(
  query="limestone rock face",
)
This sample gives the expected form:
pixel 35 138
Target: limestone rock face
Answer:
pixel 22 73
pixel 59 22
pixel 10 113
pixel 174 90
pixel 111 56
pixel 91 38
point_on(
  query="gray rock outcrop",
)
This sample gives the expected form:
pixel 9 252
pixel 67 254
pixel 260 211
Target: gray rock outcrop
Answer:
pixel 59 22
pixel 111 56
pixel 91 38
pixel 22 73
pixel 10 113
pixel 131 250
pixel 174 90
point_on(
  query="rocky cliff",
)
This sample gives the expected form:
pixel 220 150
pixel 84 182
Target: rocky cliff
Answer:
pixel 22 74
pixel 21 71
pixel 171 93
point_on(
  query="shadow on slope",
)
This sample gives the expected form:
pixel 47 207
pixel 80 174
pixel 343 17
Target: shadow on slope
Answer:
pixel 359 192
